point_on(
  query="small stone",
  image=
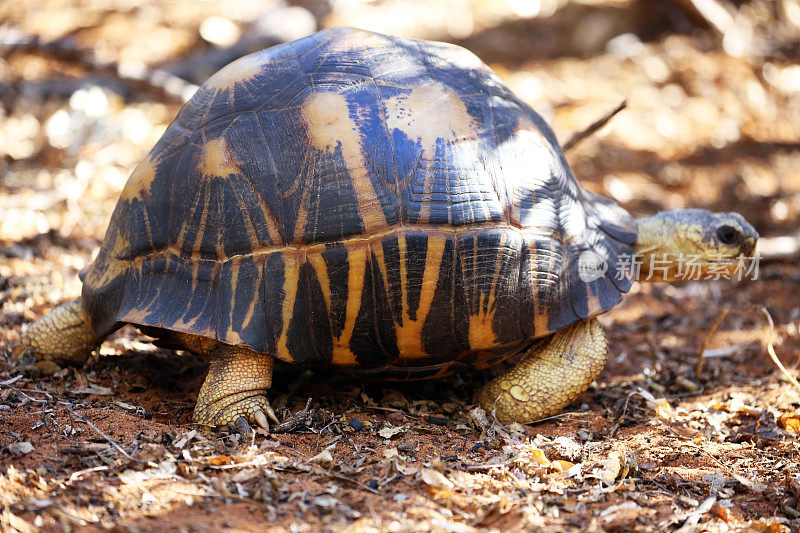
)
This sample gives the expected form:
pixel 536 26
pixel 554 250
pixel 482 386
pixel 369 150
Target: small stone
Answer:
pixel 687 384
pixel 356 424
pixel 20 448
pixel 395 417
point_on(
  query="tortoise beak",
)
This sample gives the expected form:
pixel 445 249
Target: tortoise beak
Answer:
pixel 749 240
pixel 748 246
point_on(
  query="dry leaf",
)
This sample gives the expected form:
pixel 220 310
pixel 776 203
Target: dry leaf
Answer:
pixel 790 422
pixel 389 432
pixel 245 475
pixel 661 407
pixel 96 390
pixel 562 466
pixel 406 470
pixel 218 460
pixel 323 458
pixel 184 439
pixel 390 453
pixel 325 501
pixel 434 478
pixel 573 471
pixel 611 468
pixel 566 448
pixel 539 457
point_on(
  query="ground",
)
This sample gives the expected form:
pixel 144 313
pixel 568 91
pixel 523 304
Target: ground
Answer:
pixel 713 121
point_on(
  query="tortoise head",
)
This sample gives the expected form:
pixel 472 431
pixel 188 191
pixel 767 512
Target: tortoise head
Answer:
pixel 692 244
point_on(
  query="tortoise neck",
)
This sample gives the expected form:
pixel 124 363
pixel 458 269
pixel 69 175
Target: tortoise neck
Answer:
pixel 658 248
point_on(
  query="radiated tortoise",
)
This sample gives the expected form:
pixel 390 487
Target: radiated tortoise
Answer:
pixel 370 202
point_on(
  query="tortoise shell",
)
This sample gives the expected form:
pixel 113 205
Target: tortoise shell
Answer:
pixel 359 200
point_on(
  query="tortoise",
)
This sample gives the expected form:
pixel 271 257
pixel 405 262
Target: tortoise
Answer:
pixel 375 203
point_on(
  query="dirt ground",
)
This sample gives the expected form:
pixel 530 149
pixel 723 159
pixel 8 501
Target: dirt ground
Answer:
pixel 713 121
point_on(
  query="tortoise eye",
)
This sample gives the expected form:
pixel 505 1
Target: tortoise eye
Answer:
pixel 728 234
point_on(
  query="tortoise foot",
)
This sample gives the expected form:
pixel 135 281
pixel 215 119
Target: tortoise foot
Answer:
pixel 64 335
pixel 549 377
pixel 238 410
pixel 235 389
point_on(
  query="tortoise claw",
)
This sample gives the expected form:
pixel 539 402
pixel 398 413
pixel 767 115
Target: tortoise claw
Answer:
pixel 271 415
pixel 235 388
pixel 261 419
pixel 242 427
pixel 252 410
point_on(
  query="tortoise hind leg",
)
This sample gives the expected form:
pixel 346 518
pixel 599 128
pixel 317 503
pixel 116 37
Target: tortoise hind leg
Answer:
pixel 234 391
pixel 549 377
pixel 63 335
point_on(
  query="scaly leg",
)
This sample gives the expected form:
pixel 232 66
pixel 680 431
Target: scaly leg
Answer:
pixel 549 377
pixel 234 391
pixel 63 335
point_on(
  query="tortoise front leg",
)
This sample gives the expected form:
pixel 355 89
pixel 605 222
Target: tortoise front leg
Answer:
pixel 234 391
pixel 549 377
pixel 63 335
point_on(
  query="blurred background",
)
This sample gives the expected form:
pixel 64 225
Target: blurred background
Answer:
pixel 713 92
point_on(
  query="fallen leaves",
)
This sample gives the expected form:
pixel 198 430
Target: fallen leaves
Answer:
pixel 436 479
pixel 323 458
pixel 389 432
pixel 611 468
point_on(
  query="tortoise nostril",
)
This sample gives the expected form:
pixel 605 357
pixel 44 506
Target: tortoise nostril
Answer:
pixel 728 234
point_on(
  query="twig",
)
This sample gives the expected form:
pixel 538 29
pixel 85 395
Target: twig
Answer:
pixel 100 432
pixel 624 412
pixel 593 127
pixel 694 517
pixel 75 475
pixel 210 493
pixel 29 398
pixel 11 381
pixel 358 484
pixel 44 417
pixel 770 349
pixel 482 467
